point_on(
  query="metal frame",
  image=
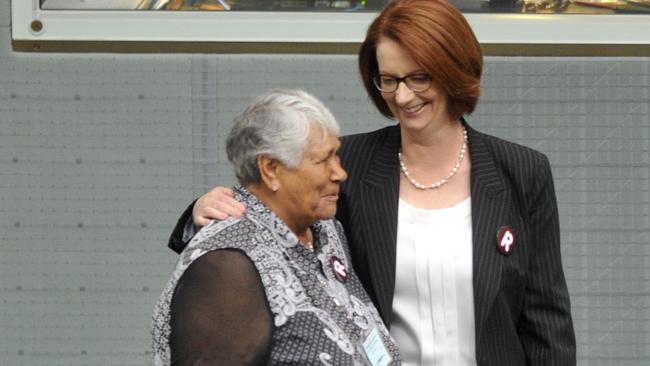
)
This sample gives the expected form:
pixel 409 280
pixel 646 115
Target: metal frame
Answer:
pixel 34 29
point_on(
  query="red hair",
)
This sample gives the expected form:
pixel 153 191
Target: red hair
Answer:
pixel 439 39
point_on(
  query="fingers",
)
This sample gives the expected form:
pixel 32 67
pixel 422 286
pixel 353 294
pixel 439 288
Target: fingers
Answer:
pixel 200 221
pixel 223 190
pixel 219 204
pixel 223 200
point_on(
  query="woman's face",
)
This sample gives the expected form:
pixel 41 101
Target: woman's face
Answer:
pixel 415 110
pixel 309 192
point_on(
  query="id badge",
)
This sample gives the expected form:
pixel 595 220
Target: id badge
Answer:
pixel 375 349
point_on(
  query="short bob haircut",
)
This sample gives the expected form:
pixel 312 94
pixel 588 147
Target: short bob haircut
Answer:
pixel 439 39
pixel 276 123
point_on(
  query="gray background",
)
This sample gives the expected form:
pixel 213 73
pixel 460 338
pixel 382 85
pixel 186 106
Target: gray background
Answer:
pixel 99 154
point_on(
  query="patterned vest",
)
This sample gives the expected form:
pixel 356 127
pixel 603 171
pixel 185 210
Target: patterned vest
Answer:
pixel 320 317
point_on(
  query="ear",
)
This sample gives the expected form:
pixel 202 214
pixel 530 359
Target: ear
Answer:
pixel 269 169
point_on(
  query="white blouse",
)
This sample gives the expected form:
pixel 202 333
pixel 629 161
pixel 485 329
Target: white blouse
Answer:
pixel 433 307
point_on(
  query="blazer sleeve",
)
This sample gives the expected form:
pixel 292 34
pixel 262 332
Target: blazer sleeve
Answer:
pixel 546 327
pixel 176 242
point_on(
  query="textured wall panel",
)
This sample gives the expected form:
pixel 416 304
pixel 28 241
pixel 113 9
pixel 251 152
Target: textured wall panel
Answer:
pixel 96 155
pixel 5 29
pixel 100 153
pixel 591 118
pixel 5 13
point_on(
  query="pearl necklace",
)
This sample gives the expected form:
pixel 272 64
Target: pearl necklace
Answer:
pixel 440 183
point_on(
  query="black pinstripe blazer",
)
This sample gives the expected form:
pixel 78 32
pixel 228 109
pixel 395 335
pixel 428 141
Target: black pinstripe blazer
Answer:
pixel 522 309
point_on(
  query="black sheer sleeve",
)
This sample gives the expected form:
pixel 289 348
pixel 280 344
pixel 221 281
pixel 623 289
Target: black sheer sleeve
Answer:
pixel 219 313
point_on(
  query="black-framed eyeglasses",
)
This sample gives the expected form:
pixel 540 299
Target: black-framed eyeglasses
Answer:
pixel 415 82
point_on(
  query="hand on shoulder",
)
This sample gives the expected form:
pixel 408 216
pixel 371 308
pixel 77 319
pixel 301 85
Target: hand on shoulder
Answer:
pixel 219 203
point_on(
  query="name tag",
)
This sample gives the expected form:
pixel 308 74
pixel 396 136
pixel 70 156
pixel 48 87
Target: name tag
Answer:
pixel 376 350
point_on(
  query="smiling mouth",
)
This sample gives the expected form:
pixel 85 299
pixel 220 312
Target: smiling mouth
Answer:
pixel 414 109
pixel 331 197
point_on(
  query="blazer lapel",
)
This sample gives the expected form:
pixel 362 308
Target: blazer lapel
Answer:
pixel 489 212
pixel 380 196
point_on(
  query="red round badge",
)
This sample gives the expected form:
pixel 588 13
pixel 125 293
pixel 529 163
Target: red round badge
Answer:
pixel 506 241
pixel 338 268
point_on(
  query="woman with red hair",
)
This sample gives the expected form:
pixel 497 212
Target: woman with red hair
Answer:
pixel 454 233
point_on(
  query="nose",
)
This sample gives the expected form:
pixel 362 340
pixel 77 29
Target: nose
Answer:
pixel 338 173
pixel 403 94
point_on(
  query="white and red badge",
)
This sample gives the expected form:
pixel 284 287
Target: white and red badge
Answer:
pixel 506 241
pixel 340 272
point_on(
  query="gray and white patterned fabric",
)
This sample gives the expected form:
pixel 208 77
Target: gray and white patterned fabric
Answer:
pixel 318 319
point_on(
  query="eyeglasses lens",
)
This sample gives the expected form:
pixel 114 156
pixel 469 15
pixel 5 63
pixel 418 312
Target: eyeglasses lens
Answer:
pixel 389 84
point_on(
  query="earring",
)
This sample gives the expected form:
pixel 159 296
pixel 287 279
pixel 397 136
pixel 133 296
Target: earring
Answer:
pixel 274 188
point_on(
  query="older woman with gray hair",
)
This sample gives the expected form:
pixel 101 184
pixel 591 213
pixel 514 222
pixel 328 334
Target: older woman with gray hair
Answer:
pixel 275 286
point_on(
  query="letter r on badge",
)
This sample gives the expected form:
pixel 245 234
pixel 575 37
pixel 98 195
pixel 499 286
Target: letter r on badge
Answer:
pixel 506 240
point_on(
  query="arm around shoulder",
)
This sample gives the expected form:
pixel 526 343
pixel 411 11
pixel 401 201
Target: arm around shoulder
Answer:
pixel 178 239
pixel 219 203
